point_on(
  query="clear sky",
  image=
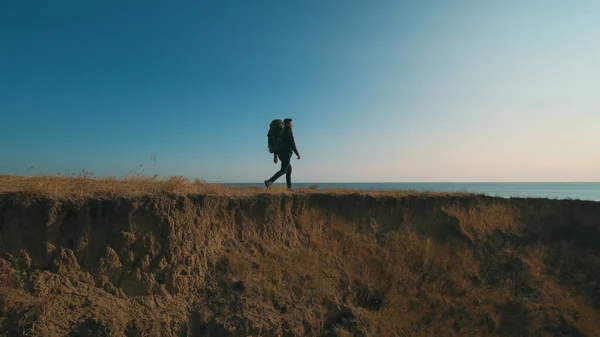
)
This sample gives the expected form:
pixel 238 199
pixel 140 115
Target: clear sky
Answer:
pixel 378 90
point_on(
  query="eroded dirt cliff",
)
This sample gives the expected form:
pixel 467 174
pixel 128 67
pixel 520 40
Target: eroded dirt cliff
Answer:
pixel 298 264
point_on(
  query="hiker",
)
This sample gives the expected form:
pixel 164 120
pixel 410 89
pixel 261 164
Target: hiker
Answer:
pixel 284 152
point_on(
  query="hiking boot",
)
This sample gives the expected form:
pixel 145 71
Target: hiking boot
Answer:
pixel 268 183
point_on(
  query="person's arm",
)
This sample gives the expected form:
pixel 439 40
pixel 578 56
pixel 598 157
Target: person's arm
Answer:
pixel 292 143
pixel 275 158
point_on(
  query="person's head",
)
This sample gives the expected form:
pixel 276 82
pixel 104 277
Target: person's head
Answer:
pixel 288 122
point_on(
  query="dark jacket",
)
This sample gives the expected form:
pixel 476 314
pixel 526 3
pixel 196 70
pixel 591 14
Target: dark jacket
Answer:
pixel 289 144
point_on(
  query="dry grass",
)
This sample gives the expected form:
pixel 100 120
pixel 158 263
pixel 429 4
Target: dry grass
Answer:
pixel 85 186
pixel 56 186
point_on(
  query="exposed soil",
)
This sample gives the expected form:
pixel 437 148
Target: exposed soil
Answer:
pixel 298 264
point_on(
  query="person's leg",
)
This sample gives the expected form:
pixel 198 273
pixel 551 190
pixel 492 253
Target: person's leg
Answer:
pixel 285 162
pixel 288 176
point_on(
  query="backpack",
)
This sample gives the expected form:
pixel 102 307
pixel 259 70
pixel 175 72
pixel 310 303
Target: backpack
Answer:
pixel 275 136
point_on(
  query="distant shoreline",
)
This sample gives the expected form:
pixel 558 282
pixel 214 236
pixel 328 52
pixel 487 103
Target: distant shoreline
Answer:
pixel 552 190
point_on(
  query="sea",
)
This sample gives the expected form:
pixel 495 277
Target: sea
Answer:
pixel 552 190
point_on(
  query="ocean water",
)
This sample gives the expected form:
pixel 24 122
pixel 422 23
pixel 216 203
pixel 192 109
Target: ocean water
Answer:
pixel 577 190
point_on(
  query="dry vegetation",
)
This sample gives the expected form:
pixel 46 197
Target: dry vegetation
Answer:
pixel 83 186
pixel 180 258
pixel 86 186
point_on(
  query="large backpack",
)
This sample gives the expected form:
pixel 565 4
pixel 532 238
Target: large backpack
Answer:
pixel 275 136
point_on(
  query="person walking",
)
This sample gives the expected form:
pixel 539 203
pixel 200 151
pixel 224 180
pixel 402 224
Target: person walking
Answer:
pixel 285 155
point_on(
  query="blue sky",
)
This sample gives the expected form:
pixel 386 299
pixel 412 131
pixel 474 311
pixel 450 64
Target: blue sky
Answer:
pixel 379 91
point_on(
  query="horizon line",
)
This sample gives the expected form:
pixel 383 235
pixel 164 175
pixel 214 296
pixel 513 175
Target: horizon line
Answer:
pixel 422 182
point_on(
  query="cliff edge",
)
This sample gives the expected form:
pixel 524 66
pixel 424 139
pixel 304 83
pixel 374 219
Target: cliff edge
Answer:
pixel 201 260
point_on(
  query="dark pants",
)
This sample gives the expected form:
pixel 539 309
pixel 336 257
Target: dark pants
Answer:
pixel 286 168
